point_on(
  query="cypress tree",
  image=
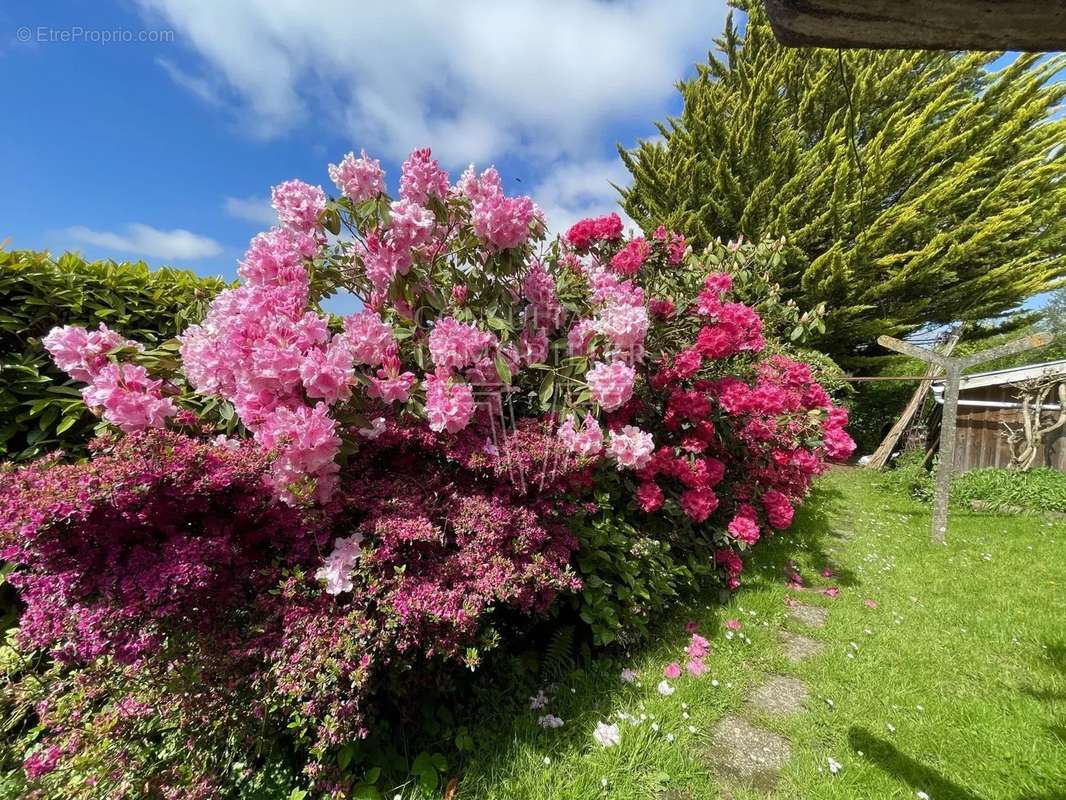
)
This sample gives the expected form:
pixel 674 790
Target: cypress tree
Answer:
pixel 915 188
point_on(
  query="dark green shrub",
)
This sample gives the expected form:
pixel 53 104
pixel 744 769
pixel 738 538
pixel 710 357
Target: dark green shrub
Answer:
pixel 40 409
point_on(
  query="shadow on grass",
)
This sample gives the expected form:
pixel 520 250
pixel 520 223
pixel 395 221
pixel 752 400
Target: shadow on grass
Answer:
pixel 901 766
pixel 499 703
pixel 1055 658
pixel 817 527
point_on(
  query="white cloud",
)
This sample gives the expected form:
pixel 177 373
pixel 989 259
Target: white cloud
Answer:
pixel 144 240
pixel 474 79
pixel 201 87
pixel 575 190
pixel 252 209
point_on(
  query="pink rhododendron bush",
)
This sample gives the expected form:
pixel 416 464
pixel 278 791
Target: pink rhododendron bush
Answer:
pixel 304 516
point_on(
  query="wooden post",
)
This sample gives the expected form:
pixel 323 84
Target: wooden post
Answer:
pixel 953 368
pixel 884 450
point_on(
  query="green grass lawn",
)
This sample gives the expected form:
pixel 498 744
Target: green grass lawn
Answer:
pixel 953 685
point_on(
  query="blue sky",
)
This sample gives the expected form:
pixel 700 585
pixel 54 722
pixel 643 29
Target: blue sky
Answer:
pixel 166 150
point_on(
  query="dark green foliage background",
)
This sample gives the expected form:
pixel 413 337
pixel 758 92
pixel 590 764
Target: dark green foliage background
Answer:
pixel 40 409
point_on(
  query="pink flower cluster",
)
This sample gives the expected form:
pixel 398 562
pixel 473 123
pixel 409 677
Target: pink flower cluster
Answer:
pixel 81 353
pixel 631 258
pixel 422 178
pixel 611 384
pixel 358 179
pixel 587 442
pixel 298 205
pixel 449 406
pixel 336 571
pixel 631 447
pixel 455 345
pixel 129 397
pixel 124 393
pixel 583 234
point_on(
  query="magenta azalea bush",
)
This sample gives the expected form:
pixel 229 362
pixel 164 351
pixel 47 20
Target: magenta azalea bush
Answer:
pixel 512 426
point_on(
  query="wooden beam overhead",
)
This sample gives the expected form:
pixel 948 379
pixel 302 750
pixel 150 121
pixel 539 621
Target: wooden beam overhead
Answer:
pixel 1028 25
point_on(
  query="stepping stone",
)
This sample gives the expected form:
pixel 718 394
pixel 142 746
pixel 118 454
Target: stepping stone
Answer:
pixel 747 754
pixel 780 695
pixel 797 647
pixel 811 616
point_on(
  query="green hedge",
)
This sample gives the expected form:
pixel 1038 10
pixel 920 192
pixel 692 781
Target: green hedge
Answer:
pixel 40 409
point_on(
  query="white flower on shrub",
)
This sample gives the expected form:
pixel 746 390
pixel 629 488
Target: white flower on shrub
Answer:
pixel 550 721
pixel 665 689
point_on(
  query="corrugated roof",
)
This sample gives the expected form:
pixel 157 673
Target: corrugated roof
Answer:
pixel 1000 377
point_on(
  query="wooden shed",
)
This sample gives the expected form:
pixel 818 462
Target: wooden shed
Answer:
pixel 987 400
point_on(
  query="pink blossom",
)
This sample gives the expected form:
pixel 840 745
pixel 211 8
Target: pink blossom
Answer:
pixel 298 205
pixel 832 591
pixel 698 647
pixel 869 603
pixel 630 258
pixel 394 388
pixel 307 444
pixel 699 502
pixel 336 571
pixel 733 624
pixel 692 626
pixel 81 353
pixel 580 336
pixel 479 188
pixel 661 307
pixel 454 345
pixel 631 447
pixel 582 234
pixel 779 510
pixel 673 670
pixel 838 445
pixel 650 496
pixel 327 374
pixel 611 384
pixel 695 667
pixel 410 225
pixel 827 573
pixel 383 261
pixel 422 177
pixel 41 761
pixel 539 288
pixel 624 325
pixel 744 529
pixel 128 397
pixel 533 346
pixel 359 179
pixel 587 442
pixel 277 256
pixel 368 337
pixel 503 222
pixel 449 406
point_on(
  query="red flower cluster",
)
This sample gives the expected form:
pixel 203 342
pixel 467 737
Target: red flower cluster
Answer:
pixel 583 234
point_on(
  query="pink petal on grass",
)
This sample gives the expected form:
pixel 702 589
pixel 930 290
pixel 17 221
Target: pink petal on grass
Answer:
pixel 832 591
pixel 869 603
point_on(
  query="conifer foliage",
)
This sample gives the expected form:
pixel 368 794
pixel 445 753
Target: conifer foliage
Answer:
pixel 916 187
